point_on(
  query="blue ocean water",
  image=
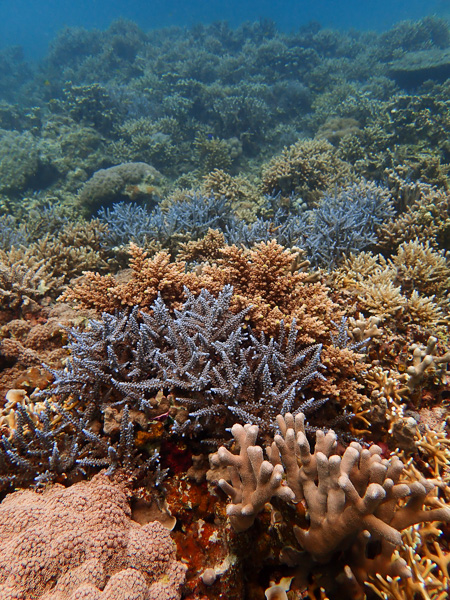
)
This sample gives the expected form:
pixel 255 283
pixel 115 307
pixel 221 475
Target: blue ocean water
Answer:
pixel 33 23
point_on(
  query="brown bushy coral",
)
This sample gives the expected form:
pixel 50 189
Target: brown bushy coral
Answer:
pixel 25 281
pixel 306 168
pixel 344 370
pixel 207 248
pixel 420 267
pixel 410 288
pixel 25 345
pixel 265 278
pixel 148 277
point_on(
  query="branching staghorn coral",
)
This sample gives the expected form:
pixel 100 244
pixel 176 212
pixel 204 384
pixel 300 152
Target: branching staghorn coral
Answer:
pixel 352 500
pixel 44 442
pixel 266 278
pixel 345 222
pixel 184 219
pixel 11 234
pixel 201 353
pixel 286 228
pixel 267 285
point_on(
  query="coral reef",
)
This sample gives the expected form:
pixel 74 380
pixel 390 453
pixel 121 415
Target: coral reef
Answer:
pixel 22 282
pixel 149 277
pixel 306 168
pixel 202 356
pixel 346 222
pixel 264 278
pixel 281 202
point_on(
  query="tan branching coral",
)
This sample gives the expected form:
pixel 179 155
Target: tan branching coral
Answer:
pixel 345 496
pixel 361 329
pixel 254 480
pixel 243 197
pixel 384 300
pixel 429 578
pixel 423 359
pixel 419 267
pixel 344 370
pixel 66 259
pixel 424 310
pixel 265 278
pixel 427 219
pixel 148 277
pixel 409 288
pixel 207 248
pixel 79 542
pixel 306 168
pixel 24 281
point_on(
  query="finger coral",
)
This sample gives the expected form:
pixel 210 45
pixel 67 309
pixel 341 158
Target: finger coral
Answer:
pixel 355 498
pixel 79 543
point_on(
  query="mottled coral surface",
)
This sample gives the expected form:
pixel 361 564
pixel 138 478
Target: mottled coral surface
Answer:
pixel 80 543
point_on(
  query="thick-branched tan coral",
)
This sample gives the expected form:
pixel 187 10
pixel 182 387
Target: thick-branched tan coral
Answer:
pixel 350 498
pixel 79 543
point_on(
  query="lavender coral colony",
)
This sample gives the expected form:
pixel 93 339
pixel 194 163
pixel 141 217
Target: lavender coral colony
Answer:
pixel 224 313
